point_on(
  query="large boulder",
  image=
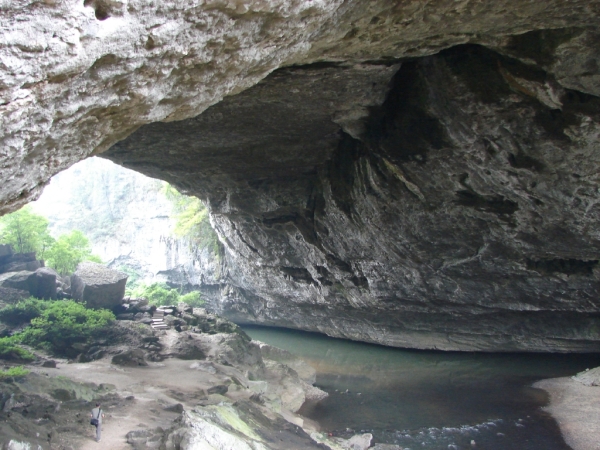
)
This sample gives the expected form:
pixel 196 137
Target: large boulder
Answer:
pixel 98 286
pixel 18 266
pixel 16 262
pixel 11 295
pixel 6 252
pixel 23 280
pixel 46 282
pixel 130 358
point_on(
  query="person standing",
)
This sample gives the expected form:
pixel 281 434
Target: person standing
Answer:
pixel 98 415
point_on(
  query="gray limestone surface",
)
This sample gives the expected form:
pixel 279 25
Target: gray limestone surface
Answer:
pixel 456 215
pixel 97 285
pixel 418 174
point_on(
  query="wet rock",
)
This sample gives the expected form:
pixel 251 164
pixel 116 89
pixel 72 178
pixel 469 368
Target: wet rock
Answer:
pixel 386 447
pixel 98 286
pixel 51 364
pixel 220 389
pixel 304 370
pixel 6 252
pixel 185 345
pixel 130 358
pixel 177 408
pixel 211 427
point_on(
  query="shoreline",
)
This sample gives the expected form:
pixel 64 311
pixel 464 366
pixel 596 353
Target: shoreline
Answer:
pixel 244 394
pixel 576 409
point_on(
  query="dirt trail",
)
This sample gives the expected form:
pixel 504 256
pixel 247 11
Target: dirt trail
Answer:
pixel 154 387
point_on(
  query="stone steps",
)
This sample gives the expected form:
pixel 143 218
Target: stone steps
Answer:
pixel 158 322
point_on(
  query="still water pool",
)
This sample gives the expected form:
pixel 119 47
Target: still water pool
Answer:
pixel 430 400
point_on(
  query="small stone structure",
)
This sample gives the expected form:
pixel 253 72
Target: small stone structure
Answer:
pixel 98 286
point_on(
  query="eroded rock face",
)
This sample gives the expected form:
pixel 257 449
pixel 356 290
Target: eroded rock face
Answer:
pixel 458 215
pixel 444 201
pixel 77 76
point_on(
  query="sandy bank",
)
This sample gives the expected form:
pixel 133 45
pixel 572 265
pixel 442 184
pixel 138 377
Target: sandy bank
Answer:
pixel 576 408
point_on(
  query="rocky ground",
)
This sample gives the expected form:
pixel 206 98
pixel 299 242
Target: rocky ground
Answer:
pixel 166 390
pixel 574 404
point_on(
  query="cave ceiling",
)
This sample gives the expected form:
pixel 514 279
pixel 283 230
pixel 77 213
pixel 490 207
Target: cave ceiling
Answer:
pixel 416 174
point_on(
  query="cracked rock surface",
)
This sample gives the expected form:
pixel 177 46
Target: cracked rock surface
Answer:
pixel 420 174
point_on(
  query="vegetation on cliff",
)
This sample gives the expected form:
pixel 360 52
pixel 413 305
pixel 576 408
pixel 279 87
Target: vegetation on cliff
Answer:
pixel 192 220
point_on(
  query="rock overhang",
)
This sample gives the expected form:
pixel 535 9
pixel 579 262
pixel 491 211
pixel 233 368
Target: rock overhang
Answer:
pixel 380 194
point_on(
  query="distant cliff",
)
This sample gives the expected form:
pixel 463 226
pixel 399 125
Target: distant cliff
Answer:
pixel 128 221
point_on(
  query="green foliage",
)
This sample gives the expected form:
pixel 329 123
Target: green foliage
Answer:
pixel 64 323
pixel 26 232
pixel 133 278
pixel 10 350
pixel 191 219
pixel 156 293
pixel 193 299
pixel 13 373
pixel 160 294
pixel 68 251
pixel 23 311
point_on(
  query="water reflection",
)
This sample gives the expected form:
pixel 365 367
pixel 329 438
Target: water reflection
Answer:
pixel 431 400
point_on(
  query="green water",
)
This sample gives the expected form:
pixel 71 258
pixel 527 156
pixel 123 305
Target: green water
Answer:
pixel 430 400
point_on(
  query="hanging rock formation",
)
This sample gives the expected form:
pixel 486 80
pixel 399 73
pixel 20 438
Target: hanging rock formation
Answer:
pixel 421 174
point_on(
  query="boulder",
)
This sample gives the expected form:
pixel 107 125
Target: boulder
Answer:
pixel 15 262
pixel 11 295
pixel 360 441
pixel 183 307
pixel 6 252
pixel 97 285
pixel 131 358
pixel 46 282
pixel 23 280
pixel 17 266
pixel 187 345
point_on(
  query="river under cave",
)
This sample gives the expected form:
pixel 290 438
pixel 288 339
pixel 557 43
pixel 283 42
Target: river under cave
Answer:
pixel 429 399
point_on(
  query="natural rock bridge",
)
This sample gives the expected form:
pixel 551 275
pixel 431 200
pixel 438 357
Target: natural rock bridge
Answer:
pixel 419 174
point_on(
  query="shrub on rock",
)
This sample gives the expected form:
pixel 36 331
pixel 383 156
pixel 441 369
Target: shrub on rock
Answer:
pixel 65 323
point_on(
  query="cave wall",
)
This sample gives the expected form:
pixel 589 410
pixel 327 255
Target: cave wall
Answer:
pixel 419 174
pixel 459 213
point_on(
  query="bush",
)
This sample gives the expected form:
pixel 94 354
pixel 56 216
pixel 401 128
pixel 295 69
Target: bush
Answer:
pixel 11 351
pixel 13 373
pixel 160 294
pixel 64 323
pixel 192 221
pixel 23 311
pixel 68 251
pixel 193 299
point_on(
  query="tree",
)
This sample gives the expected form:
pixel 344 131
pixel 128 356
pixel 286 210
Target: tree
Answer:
pixel 192 220
pixel 68 251
pixel 26 232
